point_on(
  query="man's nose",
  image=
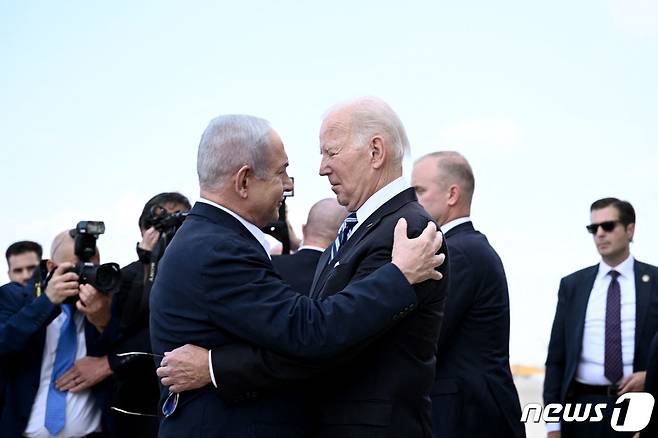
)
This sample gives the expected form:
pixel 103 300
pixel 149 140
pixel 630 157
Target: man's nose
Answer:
pixel 324 168
pixel 288 184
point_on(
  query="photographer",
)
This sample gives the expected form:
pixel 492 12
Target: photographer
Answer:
pixel 136 387
pixel 52 339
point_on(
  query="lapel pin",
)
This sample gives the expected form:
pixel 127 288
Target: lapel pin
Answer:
pixel 645 278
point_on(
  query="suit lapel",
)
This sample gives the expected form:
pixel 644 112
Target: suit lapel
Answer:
pixel 642 298
pixel 580 304
pixel 319 269
pixel 389 207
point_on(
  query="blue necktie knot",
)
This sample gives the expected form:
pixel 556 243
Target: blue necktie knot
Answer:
pixel 343 233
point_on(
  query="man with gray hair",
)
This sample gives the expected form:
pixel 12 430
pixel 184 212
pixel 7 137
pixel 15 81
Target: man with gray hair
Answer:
pixel 474 394
pixel 319 231
pixel 216 287
pixel 381 388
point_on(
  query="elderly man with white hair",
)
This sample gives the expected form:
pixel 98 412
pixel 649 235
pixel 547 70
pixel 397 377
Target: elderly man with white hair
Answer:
pixel 217 289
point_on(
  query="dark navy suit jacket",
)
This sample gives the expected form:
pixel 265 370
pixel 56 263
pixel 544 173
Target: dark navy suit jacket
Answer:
pixel 381 388
pixel 298 269
pixel 216 287
pixel 474 394
pixel 23 322
pixel 567 334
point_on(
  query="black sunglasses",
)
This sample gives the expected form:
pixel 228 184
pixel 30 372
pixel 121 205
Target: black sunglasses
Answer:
pixel 607 226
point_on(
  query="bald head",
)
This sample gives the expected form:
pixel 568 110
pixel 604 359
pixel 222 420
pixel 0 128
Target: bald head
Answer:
pixel 62 250
pixel 444 184
pixel 324 219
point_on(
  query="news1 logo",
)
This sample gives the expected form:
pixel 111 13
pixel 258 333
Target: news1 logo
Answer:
pixel 631 412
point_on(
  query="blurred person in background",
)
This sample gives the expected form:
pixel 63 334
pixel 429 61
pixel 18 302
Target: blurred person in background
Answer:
pixel 319 231
pixel 47 341
pixel 22 259
pixel 136 390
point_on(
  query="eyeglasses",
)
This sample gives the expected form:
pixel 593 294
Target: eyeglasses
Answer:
pixel 170 403
pixel 607 226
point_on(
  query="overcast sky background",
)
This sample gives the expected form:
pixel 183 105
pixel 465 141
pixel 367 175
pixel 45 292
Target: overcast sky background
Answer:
pixel 554 103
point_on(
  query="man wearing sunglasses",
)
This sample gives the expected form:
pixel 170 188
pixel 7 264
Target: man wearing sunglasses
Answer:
pixel 606 317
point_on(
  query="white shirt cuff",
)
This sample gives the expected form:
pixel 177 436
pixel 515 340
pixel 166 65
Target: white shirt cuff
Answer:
pixel 212 375
pixel 553 427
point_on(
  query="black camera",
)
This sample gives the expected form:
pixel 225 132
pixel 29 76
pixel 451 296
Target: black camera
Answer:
pixel 106 277
pixel 166 223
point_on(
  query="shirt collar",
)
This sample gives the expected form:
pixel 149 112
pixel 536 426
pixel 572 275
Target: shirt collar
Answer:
pixel 253 229
pixel 625 268
pixel 314 248
pixel 379 198
pixel 453 223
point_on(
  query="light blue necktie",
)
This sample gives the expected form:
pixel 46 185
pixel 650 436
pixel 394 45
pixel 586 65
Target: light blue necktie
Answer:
pixel 64 359
pixel 343 232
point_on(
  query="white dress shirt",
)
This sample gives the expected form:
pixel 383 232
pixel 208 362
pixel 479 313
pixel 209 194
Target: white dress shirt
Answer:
pixel 82 415
pixel 379 198
pixel 590 366
pixel 453 223
pixel 592 356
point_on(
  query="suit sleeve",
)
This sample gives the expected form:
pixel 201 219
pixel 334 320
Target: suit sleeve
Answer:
pixel 243 371
pixel 20 319
pixel 255 305
pixel 555 361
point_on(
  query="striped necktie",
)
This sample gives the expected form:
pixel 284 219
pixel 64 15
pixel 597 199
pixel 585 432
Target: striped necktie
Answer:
pixel 343 232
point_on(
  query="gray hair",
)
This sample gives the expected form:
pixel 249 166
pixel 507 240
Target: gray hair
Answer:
pixel 230 142
pixel 370 116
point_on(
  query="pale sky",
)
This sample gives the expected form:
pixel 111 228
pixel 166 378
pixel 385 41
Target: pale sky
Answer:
pixel 554 103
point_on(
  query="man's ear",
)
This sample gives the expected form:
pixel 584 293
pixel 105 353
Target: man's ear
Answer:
pixel 241 181
pixel 630 231
pixel 377 152
pixel 50 265
pixel 454 195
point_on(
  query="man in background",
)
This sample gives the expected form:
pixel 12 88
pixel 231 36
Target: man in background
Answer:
pixel 22 259
pixel 41 337
pixel 473 393
pixel 319 231
pixel 136 388
pixel 606 317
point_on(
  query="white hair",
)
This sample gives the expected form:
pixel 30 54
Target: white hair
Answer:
pixel 230 142
pixel 370 116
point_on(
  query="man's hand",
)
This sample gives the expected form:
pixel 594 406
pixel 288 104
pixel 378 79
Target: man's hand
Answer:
pixel 62 284
pixel 633 383
pixel 95 306
pixel 185 368
pixel 85 373
pixel 149 239
pixel 554 434
pixel 417 258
